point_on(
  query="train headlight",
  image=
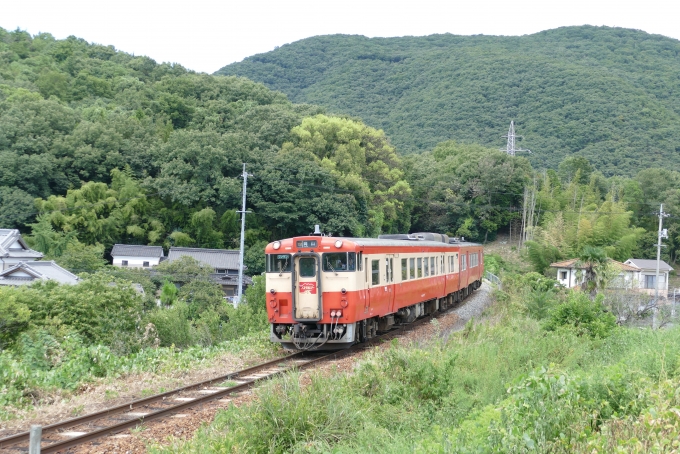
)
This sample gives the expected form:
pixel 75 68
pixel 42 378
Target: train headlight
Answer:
pixel 276 245
pixel 338 244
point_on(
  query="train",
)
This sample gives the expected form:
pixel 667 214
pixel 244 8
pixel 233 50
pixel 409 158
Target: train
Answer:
pixel 329 293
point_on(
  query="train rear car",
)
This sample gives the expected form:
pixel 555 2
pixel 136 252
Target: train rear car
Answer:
pixel 326 293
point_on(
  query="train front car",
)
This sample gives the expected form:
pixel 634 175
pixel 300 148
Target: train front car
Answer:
pixel 311 292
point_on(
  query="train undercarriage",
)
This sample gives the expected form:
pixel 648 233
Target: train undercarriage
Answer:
pixel 337 336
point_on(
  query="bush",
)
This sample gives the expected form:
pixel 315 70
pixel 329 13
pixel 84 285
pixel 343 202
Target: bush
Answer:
pixel 173 325
pixel 582 315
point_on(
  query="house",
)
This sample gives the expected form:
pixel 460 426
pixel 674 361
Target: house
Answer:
pixel 223 262
pixel 647 275
pixel 14 250
pixel 136 256
pixel 571 275
pixel 27 273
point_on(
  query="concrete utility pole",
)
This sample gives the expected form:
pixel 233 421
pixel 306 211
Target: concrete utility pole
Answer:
pixel 511 136
pixel 243 229
pixel 662 234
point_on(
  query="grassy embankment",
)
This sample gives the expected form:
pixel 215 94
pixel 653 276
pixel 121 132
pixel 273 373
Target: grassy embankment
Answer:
pixel 540 374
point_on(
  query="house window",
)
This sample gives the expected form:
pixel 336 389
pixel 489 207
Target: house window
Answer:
pixel 563 275
pixel 124 263
pixel 145 264
pixel 650 281
pixel 230 292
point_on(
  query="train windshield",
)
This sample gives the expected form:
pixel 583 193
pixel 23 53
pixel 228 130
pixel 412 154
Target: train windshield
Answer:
pixel 278 263
pixel 339 261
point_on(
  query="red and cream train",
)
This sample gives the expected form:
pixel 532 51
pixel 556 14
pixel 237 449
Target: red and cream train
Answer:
pixel 329 293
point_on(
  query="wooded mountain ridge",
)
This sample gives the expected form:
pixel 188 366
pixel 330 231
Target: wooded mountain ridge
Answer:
pixel 608 94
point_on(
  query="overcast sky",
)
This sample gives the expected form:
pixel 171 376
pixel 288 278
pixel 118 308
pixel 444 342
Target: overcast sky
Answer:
pixel 205 35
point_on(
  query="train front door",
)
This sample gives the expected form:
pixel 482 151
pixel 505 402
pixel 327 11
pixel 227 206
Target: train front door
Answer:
pixel 307 294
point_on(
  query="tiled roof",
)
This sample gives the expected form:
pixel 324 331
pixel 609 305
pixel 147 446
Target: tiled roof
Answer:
pixel 9 237
pixel 214 258
pixel 134 250
pixel 649 264
pixel 230 279
pixel 38 271
pixel 571 263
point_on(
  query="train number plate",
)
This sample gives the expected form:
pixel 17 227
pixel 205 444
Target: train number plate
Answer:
pixel 308 287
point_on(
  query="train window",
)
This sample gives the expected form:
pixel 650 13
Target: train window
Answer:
pixel 420 267
pixel 375 272
pixel 307 267
pixel 442 265
pixel 404 269
pixel 360 261
pixel 412 268
pixel 426 268
pixel 389 270
pixel 463 262
pixel 339 261
pixel 433 267
pixel 278 263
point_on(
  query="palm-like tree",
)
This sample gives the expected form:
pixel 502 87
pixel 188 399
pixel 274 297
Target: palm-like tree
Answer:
pixel 593 261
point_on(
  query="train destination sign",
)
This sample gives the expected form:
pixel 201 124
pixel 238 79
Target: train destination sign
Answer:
pixel 306 243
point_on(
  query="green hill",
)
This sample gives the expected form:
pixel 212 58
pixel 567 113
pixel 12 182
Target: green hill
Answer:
pixel 609 94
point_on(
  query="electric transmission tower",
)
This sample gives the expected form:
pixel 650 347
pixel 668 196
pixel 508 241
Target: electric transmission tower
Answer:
pixel 511 136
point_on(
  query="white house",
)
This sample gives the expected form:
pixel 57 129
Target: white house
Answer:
pixel 570 275
pixel 27 273
pixel 136 256
pixel 647 275
pixel 14 250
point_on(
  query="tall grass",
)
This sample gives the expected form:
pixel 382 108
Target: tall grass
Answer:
pixel 510 386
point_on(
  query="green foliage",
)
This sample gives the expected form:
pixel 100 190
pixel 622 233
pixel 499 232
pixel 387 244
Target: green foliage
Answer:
pixel 584 316
pixel 168 293
pixel 465 190
pixel 14 317
pixel 606 94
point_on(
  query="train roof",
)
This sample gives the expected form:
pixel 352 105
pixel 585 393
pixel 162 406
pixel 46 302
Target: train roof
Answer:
pixel 403 243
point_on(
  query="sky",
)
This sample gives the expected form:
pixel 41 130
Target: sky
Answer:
pixel 205 35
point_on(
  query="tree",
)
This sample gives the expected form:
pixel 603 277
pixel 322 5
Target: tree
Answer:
pixel 593 261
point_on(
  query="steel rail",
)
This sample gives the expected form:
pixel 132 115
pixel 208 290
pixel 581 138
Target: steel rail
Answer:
pixel 112 429
pixel 24 436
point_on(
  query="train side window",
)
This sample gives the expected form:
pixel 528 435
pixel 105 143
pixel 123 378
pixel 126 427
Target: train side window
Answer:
pixel 420 267
pixel 463 262
pixel 391 270
pixel 404 269
pixel 442 265
pixel 433 267
pixel 412 268
pixel 360 261
pixel 375 272
pixel 426 267
pixel 366 268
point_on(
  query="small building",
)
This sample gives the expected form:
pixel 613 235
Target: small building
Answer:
pixel 136 256
pixel 572 275
pixel 223 262
pixel 14 250
pixel 27 273
pixel 647 275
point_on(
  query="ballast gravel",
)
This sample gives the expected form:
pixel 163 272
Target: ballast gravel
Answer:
pixel 183 427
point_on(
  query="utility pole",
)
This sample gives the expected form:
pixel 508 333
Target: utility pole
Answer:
pixel 243 229
pixel 511 136
pixel 662 234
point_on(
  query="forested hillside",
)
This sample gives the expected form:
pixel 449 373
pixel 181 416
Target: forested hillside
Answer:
pixel 120 149
pixel 611 95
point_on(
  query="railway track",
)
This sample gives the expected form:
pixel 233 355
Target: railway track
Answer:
pixel 77 431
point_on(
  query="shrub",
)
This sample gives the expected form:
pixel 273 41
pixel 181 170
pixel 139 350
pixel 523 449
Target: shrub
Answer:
pixel 584 316
pixel 173 325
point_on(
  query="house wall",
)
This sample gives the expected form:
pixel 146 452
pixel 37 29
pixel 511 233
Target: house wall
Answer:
pixel 135 262
pixel 662 284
